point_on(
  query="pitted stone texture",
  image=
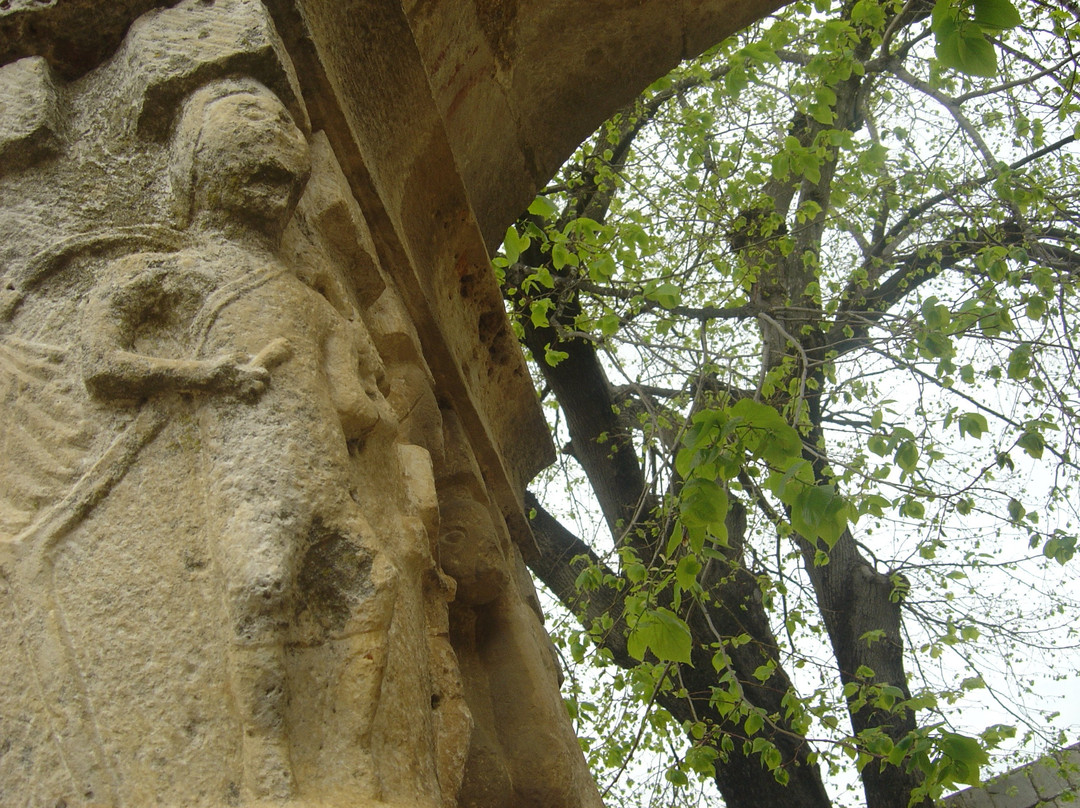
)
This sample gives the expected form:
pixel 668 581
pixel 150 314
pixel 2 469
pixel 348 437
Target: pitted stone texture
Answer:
pixel 518 99
pixel 168 53
pixel 1053 782
pixel 1012 791
pixel 1071 765
pixel 221 567
pixel 29 113
pixel 508 674
pixel 1047 781
pixel 213 545
pixel 75 35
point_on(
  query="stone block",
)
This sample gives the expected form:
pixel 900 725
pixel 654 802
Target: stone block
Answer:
pixel 29 117
pixel 1047 779
pixel 169 52
pixel 1013 791
pixel 969 798
pixel 1071 765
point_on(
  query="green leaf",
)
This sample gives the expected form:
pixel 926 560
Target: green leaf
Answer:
pixel 1033 443
pixel 609 324
pixel 703 503
pixel 943 17
pixel 972 423
pixel 820 512
pixel 967 752
pixel 701 758
pixel 1016 510
pixel 538 311
pixel 602 267
pixel 961 44
pixel 824 114
pixel 667 295
pixel 901 749
pixel 1035 309
pixel 789 485
pixel 1020 362
pixel 676 777
pixel 1060 548
pixel 977 55
pixel 811 167
pixel 544 207
pixel 754 723
pixel 735 80
pixel 947 49
pixel 913 508
pixel 553 357
pixel 907 456
pixel 764 672
pixel 873 504
pixel 934 314
pixel 687 570
pixel 662 632
pixel 561 256
pixel 769 435
pixel 685 460
pixel 1000 14
pixel 542 276
pixel 512 245
pixel 935 344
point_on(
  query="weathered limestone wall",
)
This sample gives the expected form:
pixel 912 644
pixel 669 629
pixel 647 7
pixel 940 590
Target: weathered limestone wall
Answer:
pixel 265 430
pixel 521 83
pixel 1053 782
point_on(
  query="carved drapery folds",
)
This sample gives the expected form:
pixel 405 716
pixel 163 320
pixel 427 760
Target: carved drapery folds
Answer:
pixel 260 538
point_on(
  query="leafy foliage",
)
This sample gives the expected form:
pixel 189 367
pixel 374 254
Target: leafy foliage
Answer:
pixel 806 316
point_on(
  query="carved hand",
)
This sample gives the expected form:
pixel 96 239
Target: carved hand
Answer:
pixel 237 374
pixel 275 352
pixel 246 376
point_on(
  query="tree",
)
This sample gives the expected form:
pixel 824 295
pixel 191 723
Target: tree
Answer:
pixel 806 314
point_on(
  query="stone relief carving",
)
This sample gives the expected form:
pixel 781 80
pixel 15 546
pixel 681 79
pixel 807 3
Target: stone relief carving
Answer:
pixel 202 320
pixel 283 393
pixel 508 666
pixel 280 384
pixel 247 555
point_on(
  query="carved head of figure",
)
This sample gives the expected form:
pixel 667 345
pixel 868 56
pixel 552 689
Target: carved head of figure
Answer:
pixel 470 550
pixel 238 159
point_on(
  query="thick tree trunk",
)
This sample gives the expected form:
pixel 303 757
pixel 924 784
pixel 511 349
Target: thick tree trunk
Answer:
pixel 605 450
pixel 734 608
pixel 856 601
pixel 860 606
pixel 862 611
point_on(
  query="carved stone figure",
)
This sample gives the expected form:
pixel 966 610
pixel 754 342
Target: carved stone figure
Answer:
pixel 281 386
pixel 508 667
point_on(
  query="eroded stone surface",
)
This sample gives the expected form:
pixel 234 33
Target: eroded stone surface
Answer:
pixel 1047 783
pixel 29 114
pixel 520 84
pixel 220 516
